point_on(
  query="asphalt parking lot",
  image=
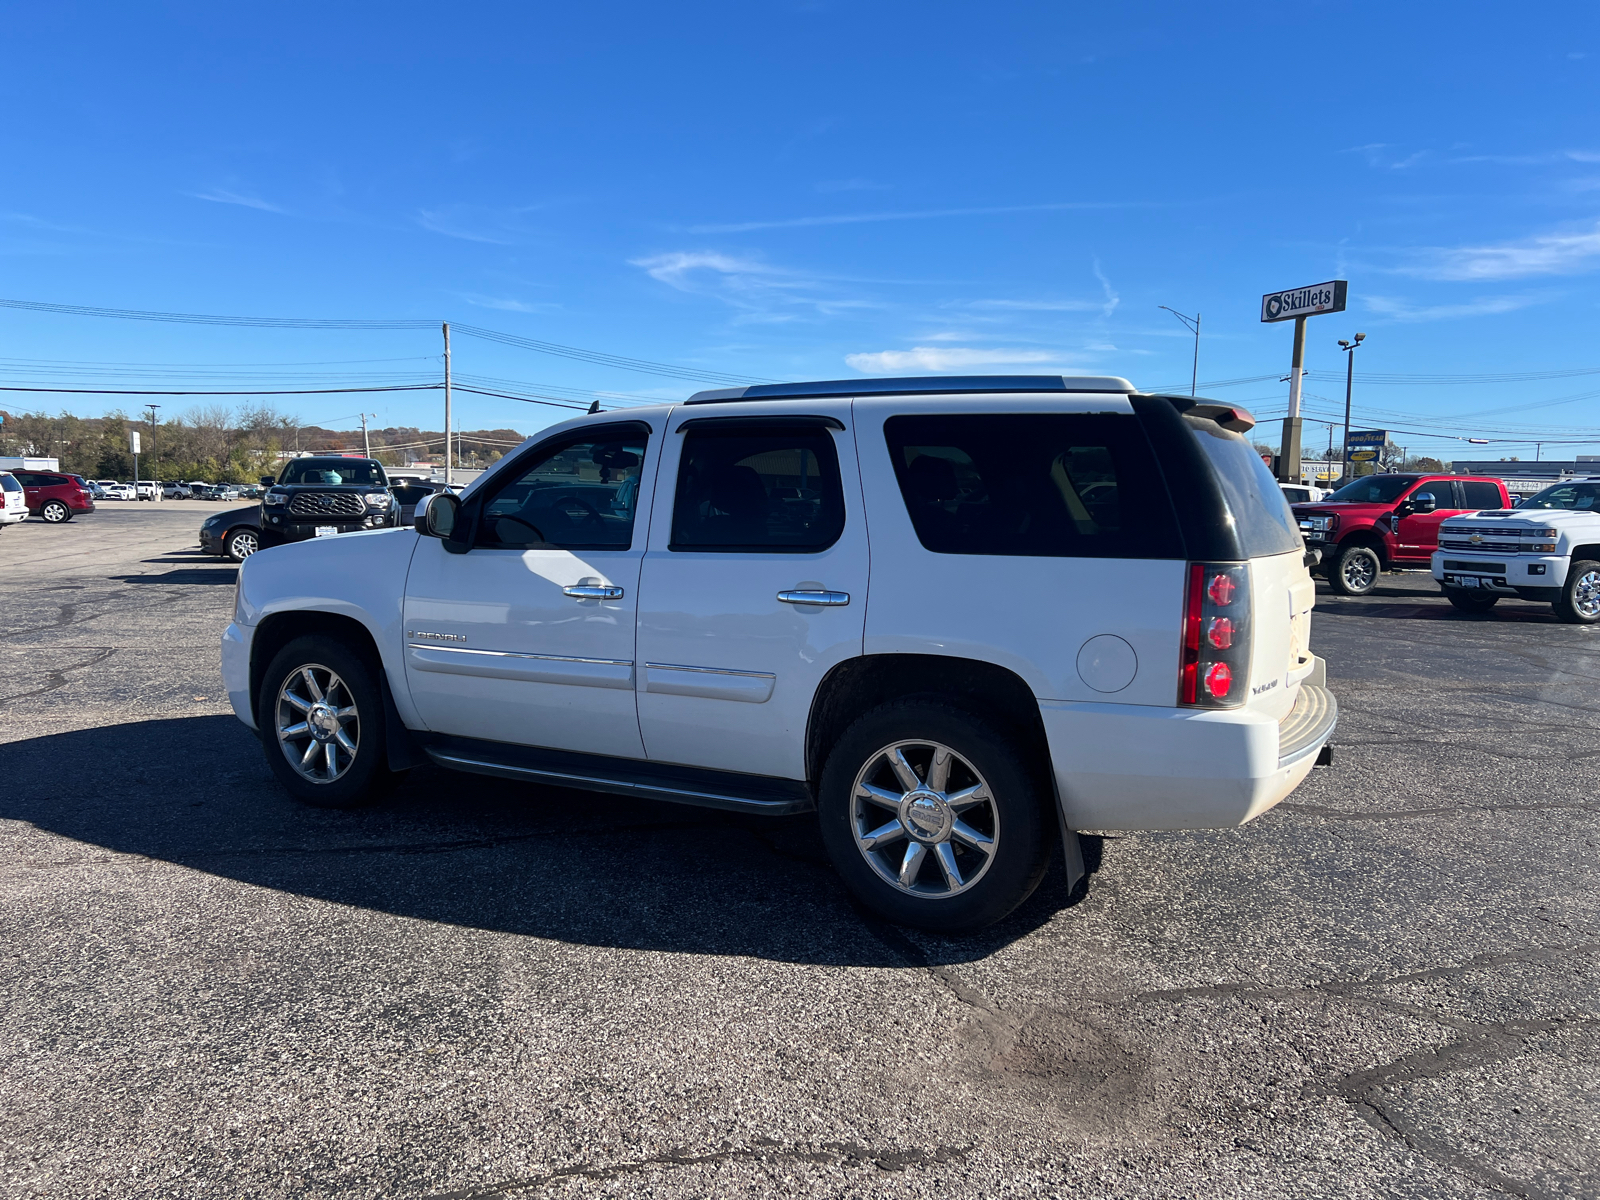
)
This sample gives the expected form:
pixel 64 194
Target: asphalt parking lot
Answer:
pixel 1385 987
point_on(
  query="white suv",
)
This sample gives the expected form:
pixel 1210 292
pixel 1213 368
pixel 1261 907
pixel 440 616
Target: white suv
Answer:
pixel 950 615
pixel 13 500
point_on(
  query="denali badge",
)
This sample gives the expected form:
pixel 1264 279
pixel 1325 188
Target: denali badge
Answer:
pixel 1265 687
pixel 436 637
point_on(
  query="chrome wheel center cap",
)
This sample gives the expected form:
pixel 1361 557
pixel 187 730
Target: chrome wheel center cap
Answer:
pixel 324 724
pixel 926 816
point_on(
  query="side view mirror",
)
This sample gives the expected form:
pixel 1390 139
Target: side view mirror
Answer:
pixel 1423 502
pixel 436 515
pixel 268 480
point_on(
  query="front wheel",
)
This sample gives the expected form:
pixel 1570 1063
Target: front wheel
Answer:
pixel 241 544
pixel 934 817
pixel 1355 570
pixel 55 512
pixel 1470 602
pixel 1580 595
pixel 320 712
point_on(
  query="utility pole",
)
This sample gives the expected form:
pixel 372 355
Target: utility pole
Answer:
pixel 366 442
pixel 1191 323
pixel 448 477
pixel 155 472
pixel 1349 349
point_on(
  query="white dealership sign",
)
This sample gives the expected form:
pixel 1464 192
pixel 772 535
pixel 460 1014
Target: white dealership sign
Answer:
pixel 1305 301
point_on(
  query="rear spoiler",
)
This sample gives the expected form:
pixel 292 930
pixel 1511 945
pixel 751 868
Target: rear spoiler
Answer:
pixel 1229 416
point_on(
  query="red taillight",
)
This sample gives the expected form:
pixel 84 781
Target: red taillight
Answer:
pixel 1216 635
pixel 1219 678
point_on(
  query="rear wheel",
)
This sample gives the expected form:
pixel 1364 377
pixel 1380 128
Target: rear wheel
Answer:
pixel 1355 570
pixel 320 712
pixel 1580 595
pixel 933 817
pixel 55 512
pixel 1470 602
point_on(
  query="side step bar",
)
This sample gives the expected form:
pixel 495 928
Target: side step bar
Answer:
pixel 624 776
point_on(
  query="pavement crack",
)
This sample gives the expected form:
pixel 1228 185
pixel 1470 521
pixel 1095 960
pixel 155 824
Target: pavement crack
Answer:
pixel 829 1154
pixel 58 678
pixel 1404 814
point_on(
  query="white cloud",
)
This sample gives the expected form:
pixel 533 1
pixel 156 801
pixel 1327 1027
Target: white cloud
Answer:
pixel 224 196
pixel 451 224
pixel 1547 254
pixel 683 268
pixel 506 304
pixel 1402 310
pixel 1112 299
pixel 1038 305
pixel 923 215
pixel 943 358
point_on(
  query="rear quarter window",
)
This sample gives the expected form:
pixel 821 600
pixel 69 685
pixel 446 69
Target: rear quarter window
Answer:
pixel 1262 519
pixel 1049 485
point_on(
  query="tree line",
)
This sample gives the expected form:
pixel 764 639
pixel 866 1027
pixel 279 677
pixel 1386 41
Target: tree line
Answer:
pixel 219 443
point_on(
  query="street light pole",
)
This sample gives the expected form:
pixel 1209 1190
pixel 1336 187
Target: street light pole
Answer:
pixel 1349 349
pixel 1191 323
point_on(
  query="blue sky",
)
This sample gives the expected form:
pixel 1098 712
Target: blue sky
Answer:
pixel 812 190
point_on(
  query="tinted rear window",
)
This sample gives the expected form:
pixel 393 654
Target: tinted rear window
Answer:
pixel 9 484
pixel 1261 516
pixel 1050 485
pixel 761 487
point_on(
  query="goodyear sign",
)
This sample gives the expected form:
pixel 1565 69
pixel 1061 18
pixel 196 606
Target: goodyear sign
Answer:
pixel 1363 455
pixel 1305 301
pixel 1374 439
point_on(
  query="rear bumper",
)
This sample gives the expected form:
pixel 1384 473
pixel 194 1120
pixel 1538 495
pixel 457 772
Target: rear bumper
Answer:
pixel 1127 766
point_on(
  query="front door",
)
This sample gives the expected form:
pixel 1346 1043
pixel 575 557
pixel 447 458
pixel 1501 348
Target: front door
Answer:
pixel 529 636
pixel 754 585
pixel 1417 534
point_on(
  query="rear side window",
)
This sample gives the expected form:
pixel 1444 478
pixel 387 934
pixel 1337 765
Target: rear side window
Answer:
pixel 1481 495
pixel 9 484
pixel 761 487
pixel 1048 485
pixel 578 495
pixel 1262 518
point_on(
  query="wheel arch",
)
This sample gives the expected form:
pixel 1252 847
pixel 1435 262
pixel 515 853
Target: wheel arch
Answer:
pixel 1369 538
pixel 277 630
pixel 859 684
pixel 1581 553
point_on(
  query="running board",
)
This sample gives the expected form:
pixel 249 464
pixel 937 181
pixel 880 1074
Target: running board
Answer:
pixel 624 776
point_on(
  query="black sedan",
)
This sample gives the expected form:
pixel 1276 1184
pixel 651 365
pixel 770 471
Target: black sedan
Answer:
pixel 234 534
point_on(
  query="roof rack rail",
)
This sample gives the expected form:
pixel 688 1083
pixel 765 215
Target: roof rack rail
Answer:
pixel 917 385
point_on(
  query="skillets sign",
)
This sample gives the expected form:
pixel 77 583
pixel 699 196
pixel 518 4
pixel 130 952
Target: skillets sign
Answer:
pixel 1305 301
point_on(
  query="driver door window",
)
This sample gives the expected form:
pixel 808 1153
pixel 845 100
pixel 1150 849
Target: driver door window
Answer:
pixel 578 496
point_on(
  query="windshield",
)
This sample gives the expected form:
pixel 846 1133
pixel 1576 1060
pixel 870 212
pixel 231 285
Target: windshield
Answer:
pixel 334 472
pixel 1582 496
pixel 1374 489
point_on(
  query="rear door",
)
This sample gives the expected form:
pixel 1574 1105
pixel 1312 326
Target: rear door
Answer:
pixel 754 585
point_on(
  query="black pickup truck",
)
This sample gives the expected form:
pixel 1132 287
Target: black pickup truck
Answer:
pixel 319 497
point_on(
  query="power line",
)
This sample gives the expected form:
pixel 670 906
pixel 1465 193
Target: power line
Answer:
pixel 597 357
pixel 404 387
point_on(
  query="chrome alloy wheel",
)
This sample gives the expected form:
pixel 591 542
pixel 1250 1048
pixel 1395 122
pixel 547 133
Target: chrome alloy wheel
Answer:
pixel 243 544
pixel 317 723
pixel 1358 572
pixel 1586 595
pixel 924 819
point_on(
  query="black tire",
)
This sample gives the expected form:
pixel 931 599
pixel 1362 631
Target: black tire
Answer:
pixel 55 512
pixel 365 777
pixel 241 543
pixel 1015 814
pixel 1580 594
pixel 1470 602
pixel 1355 570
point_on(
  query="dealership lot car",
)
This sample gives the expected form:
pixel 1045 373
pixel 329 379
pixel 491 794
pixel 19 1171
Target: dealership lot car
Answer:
pixel 234 534
pixel 13 500
pixel 321 497
pixel 676 605
pixel 54 496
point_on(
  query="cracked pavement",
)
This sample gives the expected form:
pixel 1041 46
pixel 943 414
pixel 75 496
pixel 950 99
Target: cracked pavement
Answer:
pixel 1384 988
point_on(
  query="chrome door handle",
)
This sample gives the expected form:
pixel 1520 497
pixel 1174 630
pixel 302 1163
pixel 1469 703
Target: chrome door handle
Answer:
pixel 586 591
pixel 827 599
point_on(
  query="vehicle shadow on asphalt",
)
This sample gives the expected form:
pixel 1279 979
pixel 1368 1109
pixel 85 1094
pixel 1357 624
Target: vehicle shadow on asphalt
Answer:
pixel 1408 604
pixel 481 853
pixel 212 576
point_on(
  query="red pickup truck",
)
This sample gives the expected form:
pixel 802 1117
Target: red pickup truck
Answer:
pixel 1379 522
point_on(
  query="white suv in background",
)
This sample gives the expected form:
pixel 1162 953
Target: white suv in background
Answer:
pixel 952 616
pixel 13 500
